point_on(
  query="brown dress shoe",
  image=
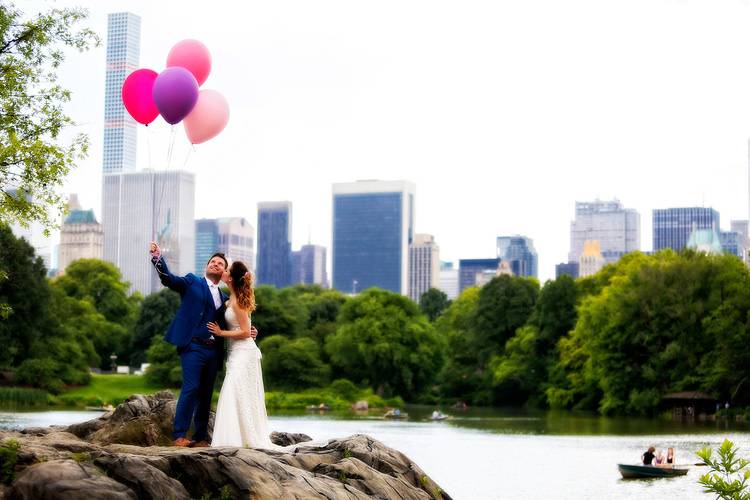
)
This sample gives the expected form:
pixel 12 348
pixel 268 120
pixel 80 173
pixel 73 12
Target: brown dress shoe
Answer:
pixel 200 444
pixel 183 442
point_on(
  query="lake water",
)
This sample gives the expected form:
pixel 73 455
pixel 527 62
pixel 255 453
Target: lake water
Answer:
pixel 493 454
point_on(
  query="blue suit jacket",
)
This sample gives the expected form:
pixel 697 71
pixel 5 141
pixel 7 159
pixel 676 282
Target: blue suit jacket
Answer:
pixel 197 307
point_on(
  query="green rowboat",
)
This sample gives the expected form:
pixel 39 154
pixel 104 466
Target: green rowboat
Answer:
pixel 649 471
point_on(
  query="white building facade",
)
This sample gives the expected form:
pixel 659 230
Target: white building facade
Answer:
pixel 81 236
pixel 424 265
pixel 617 229
pixel 149 206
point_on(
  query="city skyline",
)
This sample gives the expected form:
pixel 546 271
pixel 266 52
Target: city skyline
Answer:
pixel 321 98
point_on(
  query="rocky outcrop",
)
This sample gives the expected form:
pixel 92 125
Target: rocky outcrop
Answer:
pixel 119 455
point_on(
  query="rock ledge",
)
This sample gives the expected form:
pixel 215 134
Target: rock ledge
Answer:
pixel 122 455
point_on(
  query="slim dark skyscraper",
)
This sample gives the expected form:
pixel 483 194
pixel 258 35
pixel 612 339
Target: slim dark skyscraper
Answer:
pixel 274 243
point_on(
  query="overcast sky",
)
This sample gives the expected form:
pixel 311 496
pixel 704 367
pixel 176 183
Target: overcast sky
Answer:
pixel 503 113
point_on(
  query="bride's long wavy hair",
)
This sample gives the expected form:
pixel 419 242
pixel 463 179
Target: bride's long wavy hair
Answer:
pixel 242 285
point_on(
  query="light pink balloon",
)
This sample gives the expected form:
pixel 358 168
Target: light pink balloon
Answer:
pixel 208 118
pixel 193 56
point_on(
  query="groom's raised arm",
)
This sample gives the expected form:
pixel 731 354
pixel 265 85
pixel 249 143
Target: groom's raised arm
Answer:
pixel 177 283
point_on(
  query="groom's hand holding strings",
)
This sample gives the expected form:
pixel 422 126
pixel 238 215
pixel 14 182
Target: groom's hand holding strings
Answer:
pixel 154 251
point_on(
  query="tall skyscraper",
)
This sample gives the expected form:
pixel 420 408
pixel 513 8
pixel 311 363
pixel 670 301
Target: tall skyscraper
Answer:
pixel 469 269
pixel 518 251
pixel 309 266
pixel 424 265
pixel 233 236
pixel 274 243
pixel 123 54
pixel 673 226
pixel 143 206
pixel 81 236
pixel 449 279
pixel 373 226
pixel 617 229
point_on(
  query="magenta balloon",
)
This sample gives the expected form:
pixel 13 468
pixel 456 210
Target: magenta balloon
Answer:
pixel 193 56
pixel 175 93
pixel 137 95
pixel 209 117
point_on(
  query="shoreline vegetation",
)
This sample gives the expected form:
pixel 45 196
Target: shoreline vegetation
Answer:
pixel 681 318
pixel 112 390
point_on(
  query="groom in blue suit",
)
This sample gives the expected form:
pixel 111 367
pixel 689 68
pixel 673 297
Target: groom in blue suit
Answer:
pixel 201 354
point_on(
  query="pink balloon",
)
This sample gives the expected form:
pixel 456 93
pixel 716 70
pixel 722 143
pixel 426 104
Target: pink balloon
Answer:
pixel 137 96
pixel 208 118
pixel 193 56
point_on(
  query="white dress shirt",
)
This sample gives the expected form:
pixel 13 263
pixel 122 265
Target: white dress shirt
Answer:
pixel 214 293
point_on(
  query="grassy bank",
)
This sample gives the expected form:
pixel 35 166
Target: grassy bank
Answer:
pixel 114 389
pixel 107 389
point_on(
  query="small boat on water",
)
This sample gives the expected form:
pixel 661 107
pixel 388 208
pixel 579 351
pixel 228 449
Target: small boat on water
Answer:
pixel 396 414
pixel 438 415
pixel 650 471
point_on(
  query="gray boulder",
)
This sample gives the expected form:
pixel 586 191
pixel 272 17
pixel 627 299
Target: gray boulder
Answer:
pixel 118 455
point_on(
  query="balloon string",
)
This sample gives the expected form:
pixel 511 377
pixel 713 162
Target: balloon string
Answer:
pixel 148 146
pixel 157 210
pixel 187 156
pixel 170 149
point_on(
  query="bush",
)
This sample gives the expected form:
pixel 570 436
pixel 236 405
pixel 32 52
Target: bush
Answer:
pixel 345 388
pixel 293 364
pixel 8 458
pixel 164 360
pixel 41 373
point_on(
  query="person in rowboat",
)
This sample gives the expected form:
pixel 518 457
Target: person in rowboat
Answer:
pixel 670 456
pixel 648 457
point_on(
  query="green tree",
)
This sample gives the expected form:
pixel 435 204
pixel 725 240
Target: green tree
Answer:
pixel 278 312
pixel 461 376
pixel 505 304
pixel 433 302
pixel 519 372
pixel 653 316
pixel 25 291
pixel 156 313
pixel 555 312
pixel 383 340
pixel 33 159
pixel 47 338
pixel 101 284
pixel 293 363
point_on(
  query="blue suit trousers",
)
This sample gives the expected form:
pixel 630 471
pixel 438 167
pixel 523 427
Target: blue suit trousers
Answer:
pixel 199 367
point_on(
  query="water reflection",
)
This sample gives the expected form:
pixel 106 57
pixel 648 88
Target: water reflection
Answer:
pixel 507 453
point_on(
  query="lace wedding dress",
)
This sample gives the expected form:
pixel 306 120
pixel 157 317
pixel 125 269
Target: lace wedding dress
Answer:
pixel 241 418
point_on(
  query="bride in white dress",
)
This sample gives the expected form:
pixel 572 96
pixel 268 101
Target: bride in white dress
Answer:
pixel 241 418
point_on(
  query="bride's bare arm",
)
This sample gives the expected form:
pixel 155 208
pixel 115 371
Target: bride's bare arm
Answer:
pixel 243 333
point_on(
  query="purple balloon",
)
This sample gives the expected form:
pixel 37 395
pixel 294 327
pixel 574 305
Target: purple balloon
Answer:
pixel 175 93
